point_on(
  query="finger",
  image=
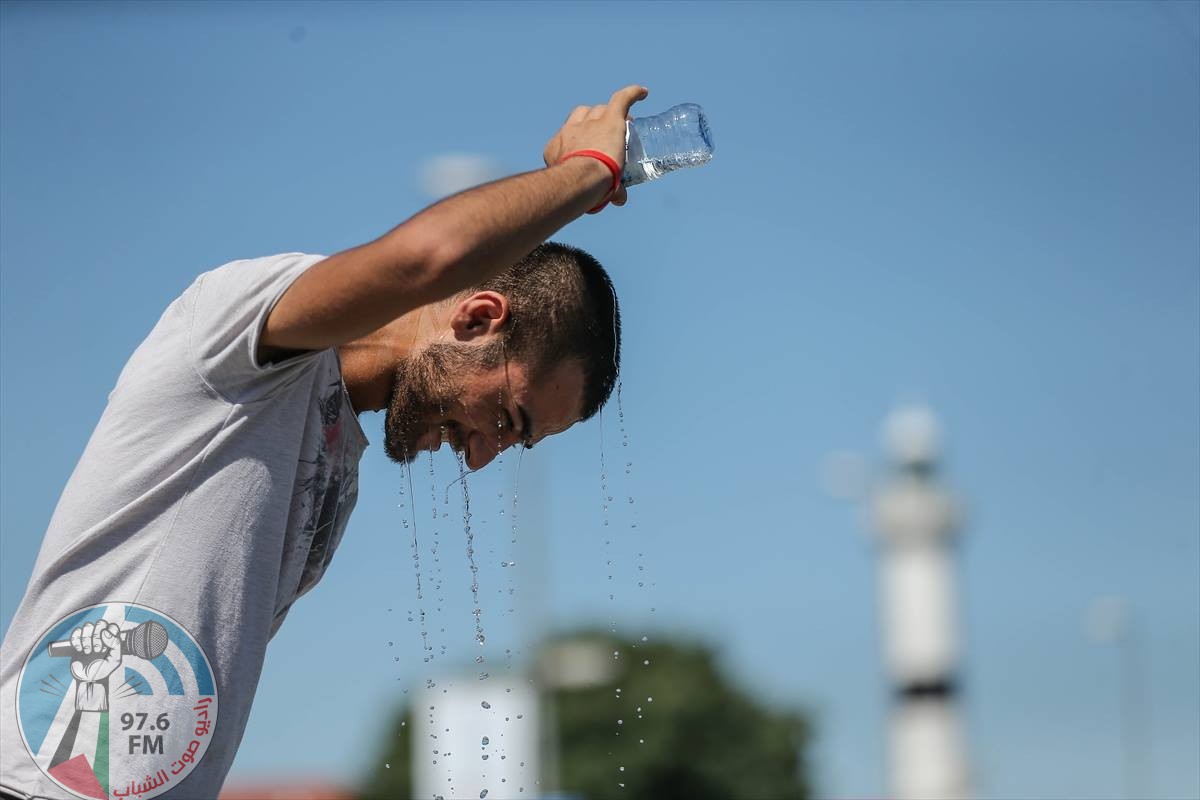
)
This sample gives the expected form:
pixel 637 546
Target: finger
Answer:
pixel 620 198
pixel 85 636
pixel 111 636
pixel 597 112
pixel 623 99
pixel 77 639
pixel 578 113
pixel 98 636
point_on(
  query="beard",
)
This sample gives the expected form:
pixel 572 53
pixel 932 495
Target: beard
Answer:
pixel 425 386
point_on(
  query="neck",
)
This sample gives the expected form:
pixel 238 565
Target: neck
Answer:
pixel 369 363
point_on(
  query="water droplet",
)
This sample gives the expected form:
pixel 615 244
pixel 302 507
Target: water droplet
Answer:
pixel 618 691
pixel 483 794
pixel 387 765
pixel 620 722
pixel 646 663
pixel 649 699
pixel 621 768
pixel 641 741
pixel 485 704
pixel 643 638
pixel 485 756
pixel 520 716
pixel 484 740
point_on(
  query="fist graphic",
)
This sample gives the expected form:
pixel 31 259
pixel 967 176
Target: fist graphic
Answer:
pixel 97 650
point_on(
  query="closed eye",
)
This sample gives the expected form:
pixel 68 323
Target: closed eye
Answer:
pixel 512 426
pixel 526 428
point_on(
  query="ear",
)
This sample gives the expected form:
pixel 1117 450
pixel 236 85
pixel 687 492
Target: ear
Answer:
pixel 481 314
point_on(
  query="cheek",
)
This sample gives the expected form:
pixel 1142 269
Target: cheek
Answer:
pixel 483 416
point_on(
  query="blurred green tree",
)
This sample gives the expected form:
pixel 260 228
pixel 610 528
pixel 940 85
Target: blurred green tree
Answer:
pixel 695 737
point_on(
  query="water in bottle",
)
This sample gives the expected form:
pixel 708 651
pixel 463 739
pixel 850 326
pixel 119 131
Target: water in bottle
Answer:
pixel 676 138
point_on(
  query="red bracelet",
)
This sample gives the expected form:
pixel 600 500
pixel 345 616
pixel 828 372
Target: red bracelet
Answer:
pixel 606 160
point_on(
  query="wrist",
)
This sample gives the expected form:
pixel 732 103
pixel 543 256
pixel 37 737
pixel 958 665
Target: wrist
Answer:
pixel 603 171
pixel 595 170
pixel 91 696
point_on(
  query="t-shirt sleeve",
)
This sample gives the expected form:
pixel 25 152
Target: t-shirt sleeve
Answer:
pixel 229 309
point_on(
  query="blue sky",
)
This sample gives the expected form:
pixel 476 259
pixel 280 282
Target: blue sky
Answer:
pixel 991 208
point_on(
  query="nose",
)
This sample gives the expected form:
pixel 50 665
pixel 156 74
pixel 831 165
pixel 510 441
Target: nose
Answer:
pixel 483 449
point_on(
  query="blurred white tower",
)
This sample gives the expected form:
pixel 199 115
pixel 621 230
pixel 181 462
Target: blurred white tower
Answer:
pixel 916 521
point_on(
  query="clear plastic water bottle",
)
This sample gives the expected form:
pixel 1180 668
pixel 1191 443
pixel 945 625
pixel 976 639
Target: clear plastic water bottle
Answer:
pixel 676 138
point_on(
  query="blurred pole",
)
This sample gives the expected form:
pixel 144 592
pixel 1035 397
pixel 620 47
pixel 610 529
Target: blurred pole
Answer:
pixel 916 521
pixel 533 540
pixel 1135 713
pixel 1112 622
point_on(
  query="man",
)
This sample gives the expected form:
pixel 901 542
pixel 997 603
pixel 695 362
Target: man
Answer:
pixel 218 482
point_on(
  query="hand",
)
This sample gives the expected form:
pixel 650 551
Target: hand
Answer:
pixel 97 651
pixel 597 128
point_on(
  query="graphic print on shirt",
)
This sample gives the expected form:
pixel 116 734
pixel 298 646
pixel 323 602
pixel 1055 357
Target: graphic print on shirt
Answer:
pixel 116 700
pixel 325 489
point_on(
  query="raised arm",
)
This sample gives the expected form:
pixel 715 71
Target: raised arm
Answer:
pixel 454 244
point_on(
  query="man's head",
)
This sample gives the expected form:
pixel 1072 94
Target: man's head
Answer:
pixel 532 351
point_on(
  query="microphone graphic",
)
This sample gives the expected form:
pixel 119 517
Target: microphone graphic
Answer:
pixel 148 641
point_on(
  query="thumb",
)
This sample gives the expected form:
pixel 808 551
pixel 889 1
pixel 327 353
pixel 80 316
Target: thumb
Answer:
pixel 623 99
pixel 111 637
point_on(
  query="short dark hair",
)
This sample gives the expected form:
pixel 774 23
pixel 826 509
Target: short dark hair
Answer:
pixel 562 306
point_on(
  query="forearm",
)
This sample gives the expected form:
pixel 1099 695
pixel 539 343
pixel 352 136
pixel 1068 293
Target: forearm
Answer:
pixel 484 230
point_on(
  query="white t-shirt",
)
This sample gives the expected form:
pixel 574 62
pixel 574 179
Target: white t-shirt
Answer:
pixel 212 494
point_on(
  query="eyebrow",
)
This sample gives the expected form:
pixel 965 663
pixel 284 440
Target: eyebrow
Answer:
pixel 526 427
